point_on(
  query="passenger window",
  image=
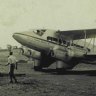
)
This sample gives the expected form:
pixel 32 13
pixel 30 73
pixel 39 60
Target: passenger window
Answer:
pixel 54 39
pixel 64 42
pixel 60 41
pixel 49 38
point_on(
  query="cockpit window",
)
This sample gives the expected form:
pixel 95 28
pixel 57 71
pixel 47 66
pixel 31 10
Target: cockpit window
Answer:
pixel 39 32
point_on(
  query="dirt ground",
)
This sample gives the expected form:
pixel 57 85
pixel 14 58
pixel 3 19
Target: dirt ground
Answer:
pixel 31 83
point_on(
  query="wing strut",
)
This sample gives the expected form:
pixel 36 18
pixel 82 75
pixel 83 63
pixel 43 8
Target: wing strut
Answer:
pixel 85 35
pixel 93 43
pixel 85 39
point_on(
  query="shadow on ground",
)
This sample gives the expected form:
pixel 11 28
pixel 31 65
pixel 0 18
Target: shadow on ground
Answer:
pixel 6 74
pixel 70 72
pixel 62 72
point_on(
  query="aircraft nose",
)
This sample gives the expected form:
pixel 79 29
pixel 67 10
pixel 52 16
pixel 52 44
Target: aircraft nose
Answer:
pixel 19 37
pixel 16 36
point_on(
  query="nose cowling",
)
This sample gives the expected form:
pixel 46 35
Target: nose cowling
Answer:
pixel 16 36
pixel 21 38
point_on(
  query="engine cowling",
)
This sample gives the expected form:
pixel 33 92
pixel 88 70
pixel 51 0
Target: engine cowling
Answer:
pixel 62 55
pixel 31 53
pixel 67 54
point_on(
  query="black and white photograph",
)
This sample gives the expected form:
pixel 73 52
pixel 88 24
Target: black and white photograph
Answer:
pixel 47 47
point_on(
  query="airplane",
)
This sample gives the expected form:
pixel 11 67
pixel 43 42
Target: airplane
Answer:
pixel 57 46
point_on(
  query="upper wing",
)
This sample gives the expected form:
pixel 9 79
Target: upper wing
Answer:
pixel 76 34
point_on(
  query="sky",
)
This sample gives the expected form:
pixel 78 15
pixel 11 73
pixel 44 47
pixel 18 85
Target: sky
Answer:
pixel 22 15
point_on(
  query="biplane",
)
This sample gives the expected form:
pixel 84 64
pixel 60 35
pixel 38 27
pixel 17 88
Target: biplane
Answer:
pixel 58 46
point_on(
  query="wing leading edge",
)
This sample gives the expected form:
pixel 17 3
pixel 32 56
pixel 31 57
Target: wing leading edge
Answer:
pixel 77 34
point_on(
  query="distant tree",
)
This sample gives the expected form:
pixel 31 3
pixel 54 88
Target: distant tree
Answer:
pixel 9 47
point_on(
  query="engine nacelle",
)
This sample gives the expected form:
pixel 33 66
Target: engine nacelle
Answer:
pixel 31 53
pixel 62 55
pixel 67 54
pixel 61 65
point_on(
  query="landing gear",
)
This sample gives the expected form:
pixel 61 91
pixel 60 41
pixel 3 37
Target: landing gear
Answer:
pixel 61 67
pixel 37 66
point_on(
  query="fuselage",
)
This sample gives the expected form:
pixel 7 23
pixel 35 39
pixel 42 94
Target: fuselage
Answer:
pixel 33 40
pixel 46 40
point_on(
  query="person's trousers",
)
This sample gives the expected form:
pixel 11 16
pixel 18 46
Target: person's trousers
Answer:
pixel 11 73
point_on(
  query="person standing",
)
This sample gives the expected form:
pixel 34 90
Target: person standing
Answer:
pixel 12 62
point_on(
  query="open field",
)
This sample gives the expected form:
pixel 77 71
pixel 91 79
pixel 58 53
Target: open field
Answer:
pixel 81 81
pixel 48 83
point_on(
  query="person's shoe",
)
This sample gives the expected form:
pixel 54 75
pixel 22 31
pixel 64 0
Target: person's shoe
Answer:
pixel 11 81
pixel 16 81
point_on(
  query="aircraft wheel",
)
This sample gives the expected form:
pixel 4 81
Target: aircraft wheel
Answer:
pixel 37 66
pixel 61 67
